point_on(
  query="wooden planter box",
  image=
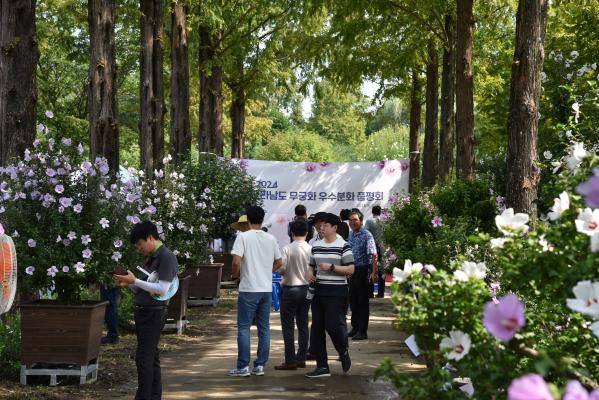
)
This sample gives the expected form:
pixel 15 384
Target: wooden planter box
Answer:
pixel 204 284
pixel 177 307
pixel 227 260
pixel 61 334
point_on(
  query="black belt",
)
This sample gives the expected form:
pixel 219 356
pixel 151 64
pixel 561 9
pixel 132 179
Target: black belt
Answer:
pixel 150 307
pixel 363 266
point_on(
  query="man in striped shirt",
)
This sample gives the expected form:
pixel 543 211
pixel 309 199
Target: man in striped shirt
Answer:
pixel 332 261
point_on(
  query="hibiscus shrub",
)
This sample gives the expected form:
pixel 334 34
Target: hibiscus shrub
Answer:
pixel 66 216
pixel 435 226
pixel 529 313
pixel 224 187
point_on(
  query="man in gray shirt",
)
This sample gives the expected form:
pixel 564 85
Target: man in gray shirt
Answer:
pixel 150 312
pixel 296 273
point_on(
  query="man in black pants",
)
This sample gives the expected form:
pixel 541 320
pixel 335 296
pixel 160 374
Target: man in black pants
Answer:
pixel 295 303
pixel 150 313
pixel 365 258
pixel 333 261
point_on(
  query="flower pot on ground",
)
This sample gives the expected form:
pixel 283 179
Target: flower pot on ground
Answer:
pixel 177 307
pixel 227 260
pixel 204 284
pixel 54 333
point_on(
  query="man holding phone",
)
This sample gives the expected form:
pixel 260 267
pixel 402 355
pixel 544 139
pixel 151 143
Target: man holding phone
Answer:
pixel 150 312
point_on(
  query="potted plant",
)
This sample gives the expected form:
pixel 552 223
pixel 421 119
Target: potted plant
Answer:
pixel 69 218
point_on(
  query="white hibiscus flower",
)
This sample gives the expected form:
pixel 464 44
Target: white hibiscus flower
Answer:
pixel 469 270
pixel 560 205
pixel 587 298
pixel 510 223
pixel 457 345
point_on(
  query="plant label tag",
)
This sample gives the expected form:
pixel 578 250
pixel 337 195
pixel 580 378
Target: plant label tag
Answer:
pixel 411 343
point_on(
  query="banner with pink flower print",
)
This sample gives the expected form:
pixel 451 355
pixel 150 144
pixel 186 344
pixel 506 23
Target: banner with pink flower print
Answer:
pixel 325 186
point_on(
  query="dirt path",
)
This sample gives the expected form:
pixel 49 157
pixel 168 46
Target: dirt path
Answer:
pixel 199 372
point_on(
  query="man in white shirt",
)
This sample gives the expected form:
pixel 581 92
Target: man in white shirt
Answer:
pixel 256 256
pixel 295 305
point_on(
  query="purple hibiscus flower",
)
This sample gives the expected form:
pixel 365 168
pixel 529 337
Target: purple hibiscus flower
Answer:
pixel 503 320
pixel 575 391
pixel 59 189
pixel 529 387
pixel 590 189
pixel 66 202
pixel 310 167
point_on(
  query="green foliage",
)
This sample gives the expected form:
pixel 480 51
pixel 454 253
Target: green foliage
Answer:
pixel 297 145
pixel 390 143
pixel 10 345
pixel 339 116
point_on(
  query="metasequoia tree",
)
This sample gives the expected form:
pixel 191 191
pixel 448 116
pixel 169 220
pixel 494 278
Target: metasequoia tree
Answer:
pixel 18 61
pixel 522 174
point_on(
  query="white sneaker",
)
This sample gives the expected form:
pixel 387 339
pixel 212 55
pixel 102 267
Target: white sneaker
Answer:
pixel 240 372
pixel 258 370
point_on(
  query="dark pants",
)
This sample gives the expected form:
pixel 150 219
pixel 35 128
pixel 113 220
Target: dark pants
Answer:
pixel 111 316
pixel 295 306
pixel 148 325
pixel 381 282
pixel 328 314
pixel 358 299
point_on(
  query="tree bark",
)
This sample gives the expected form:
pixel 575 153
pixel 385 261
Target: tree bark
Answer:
pixel 180 131
pixel 102 99
pixel 216 102
pixel 447 140
pixel 18 62
pixel 151 136
pixel 205 55
pixel 464 90
pixel 430 159
pixel 237 114
pixel 415 115
pixel 522 174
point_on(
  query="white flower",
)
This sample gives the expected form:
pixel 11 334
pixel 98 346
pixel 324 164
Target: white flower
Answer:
pixel 508 223
pixel 469 270
pixel 401 276
pixel 575 157
pixel 104 222
pixel 497 243
pixel 429 268
pixel 547 154
pixel 458 343
pixel 587 298
pixel 79 267
pixel 595 328
pixel 588 222
pixel 559 206
pixel 574 54
pixel 576 108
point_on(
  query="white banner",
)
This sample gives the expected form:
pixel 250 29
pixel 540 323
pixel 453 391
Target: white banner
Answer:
pixel 328 187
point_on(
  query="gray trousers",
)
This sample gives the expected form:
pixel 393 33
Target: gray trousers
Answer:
pixel 294 307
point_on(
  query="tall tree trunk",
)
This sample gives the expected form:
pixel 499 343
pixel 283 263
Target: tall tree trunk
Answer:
pixel 447 141
pixel 216 88
pixel 464 90
pixel 102 99
pixel 151 136
pixel 430 159
pixel 18 62
pixel 415 114
pixel 522 174
pixel 205 55
pixel 180 131
pixel 237 114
